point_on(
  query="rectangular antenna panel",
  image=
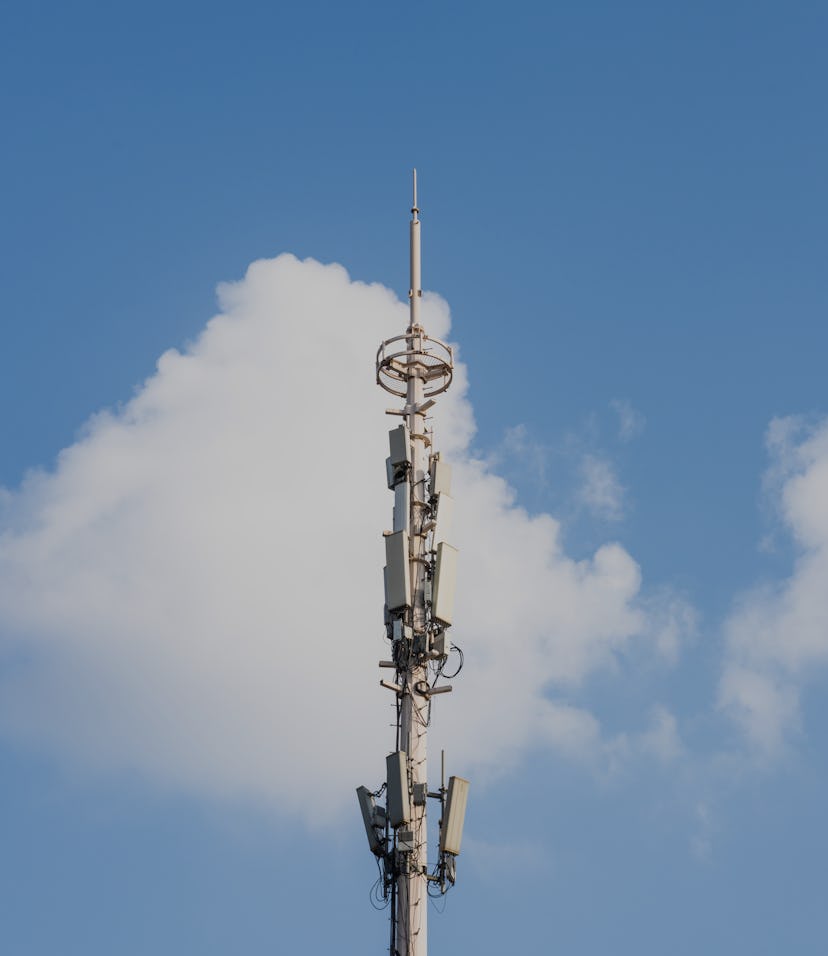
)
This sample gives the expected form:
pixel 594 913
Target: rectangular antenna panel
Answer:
pixel 402 498
pixel 397 578
pixel 399 804
pixel 445 518
pixel 366 805
pixel 451 833
pixel 390 473
pixel 399 445
pixel 405 842
pixel 445 579
pixel 399 630
pixel 440 477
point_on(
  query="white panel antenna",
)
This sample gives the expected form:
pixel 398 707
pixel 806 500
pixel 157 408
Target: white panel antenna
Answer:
pixel 451 833
pixel 445 518
pixel 400 445
pixel 445 581
pixel 402 506
pixel 399 798
pixel 440 477
pixel 369 817
pixel 397 577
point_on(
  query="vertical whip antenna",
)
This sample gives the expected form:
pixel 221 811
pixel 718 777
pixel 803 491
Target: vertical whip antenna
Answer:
pixel 415 292
pixel 419 576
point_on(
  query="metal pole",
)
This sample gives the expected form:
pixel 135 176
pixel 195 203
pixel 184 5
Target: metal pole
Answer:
pixel 416 618
pixel 412 897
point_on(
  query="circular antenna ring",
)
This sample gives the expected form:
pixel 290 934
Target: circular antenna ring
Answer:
pixel 431 360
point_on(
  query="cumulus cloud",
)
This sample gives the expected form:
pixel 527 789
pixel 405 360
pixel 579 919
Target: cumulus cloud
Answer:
pixel 658 743
pixel 518 445
pixel 630 421
pixel 662 738
pixel 600 490
pixel 777 637
pixel 194 591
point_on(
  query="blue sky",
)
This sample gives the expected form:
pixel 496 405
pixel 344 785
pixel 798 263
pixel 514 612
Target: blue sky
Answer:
pixel 624 208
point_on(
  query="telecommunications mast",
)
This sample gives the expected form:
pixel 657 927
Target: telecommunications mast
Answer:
pixel 420 568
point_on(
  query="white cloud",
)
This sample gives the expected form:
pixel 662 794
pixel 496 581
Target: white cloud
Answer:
pixel 518 446
pixel 489 859
pixel 777 637
pixel 659 742
pixel 701 842
pixel 600 490
pixel 194 593
pixel 630 421
pixel 662 739
pixel 672 621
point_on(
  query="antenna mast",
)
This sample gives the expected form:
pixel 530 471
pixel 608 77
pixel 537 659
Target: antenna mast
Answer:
pixel 419 596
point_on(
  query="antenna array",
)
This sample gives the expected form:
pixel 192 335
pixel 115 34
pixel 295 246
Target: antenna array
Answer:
pixel 419 574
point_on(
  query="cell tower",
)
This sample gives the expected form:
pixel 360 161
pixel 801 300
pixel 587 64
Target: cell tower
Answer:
pixel 420 569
